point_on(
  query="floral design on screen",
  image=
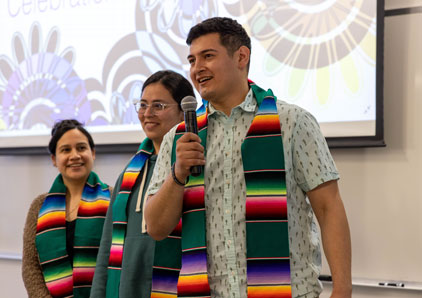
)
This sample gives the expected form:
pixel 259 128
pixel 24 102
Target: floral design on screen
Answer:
pixel 317 43
pixel 39 85
pixel 162 28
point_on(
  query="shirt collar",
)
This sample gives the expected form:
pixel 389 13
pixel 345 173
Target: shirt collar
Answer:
pixel 248 104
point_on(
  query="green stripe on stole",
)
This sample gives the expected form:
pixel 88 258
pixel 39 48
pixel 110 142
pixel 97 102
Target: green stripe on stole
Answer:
pixel 267 233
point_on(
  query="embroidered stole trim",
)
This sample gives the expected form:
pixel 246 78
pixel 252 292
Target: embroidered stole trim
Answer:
pixel 120 216
pixel 268 260
pixel 61 280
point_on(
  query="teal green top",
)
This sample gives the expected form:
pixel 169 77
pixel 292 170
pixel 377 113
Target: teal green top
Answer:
pixel 138 254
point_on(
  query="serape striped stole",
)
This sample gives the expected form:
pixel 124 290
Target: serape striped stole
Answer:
pixel 170 278
pixel 268 255
pixel 61 280
pixel 120 216
pixel 267 241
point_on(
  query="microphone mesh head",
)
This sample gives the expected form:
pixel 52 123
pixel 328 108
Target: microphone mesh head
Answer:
pixel 188 103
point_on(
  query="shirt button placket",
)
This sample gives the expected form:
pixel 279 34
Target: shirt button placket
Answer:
pixel 227 205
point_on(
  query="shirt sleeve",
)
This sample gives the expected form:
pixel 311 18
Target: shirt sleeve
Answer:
pixel 163 164
pixel 313 164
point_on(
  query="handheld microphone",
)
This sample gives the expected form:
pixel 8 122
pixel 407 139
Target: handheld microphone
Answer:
pixel 188 105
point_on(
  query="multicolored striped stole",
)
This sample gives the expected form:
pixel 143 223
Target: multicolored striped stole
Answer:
pixel 170 278
pixel 120 216
pixel 267 241
pixel 60 278
pixel 268 256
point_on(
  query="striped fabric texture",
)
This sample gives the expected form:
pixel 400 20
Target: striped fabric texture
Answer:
pixel 267 242
pixel 268 255
pixel 60 278
pixel 120 216
pixel 170 278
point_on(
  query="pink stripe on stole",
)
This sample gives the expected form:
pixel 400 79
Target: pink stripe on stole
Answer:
pixel 83 275
pixel 178 229
pixel 193 198
pixel 61 287
pixel 266 207
pixel 116 254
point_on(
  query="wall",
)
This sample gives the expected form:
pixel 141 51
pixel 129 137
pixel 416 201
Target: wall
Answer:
pixel 378 185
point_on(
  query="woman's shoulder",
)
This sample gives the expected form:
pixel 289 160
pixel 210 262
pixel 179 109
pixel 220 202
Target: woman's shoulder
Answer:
pixel 40 199
pixel 37 203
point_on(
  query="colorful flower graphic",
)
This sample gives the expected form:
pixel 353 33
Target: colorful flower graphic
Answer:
pixel 39 85
pixel 313 42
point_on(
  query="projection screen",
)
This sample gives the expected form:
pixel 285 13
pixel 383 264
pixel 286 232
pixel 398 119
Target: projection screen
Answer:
pixel 87 59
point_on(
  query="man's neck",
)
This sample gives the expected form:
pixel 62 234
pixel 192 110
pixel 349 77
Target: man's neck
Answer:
pixel 226 104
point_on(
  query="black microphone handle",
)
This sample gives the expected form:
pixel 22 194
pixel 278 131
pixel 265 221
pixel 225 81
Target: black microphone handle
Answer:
pixel 192 126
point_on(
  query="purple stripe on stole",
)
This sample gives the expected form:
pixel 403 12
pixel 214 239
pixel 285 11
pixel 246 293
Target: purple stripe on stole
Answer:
pixel 165 280
pixel 194 261
pixel 271 271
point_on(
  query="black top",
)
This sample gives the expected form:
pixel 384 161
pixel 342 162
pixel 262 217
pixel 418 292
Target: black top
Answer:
pixel 70 235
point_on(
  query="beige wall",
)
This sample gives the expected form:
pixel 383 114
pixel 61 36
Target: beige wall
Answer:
pixel 379 185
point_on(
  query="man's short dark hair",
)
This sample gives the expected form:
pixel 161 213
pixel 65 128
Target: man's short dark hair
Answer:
pixel 232 34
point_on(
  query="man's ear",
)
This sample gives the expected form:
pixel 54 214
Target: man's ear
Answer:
pixel 244 56
pixel 93 154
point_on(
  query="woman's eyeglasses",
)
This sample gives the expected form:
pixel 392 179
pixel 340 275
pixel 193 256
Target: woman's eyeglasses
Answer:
pixel 156 107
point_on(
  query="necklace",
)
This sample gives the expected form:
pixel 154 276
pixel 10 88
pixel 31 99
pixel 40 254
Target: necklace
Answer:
pixel 70 213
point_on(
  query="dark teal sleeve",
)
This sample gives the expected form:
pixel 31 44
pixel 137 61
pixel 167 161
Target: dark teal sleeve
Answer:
pixel 99 282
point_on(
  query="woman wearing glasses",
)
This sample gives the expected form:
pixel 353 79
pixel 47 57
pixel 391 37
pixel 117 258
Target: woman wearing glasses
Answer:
pixel 125 258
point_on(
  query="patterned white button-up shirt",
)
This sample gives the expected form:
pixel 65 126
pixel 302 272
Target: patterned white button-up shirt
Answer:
pixel 308 164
